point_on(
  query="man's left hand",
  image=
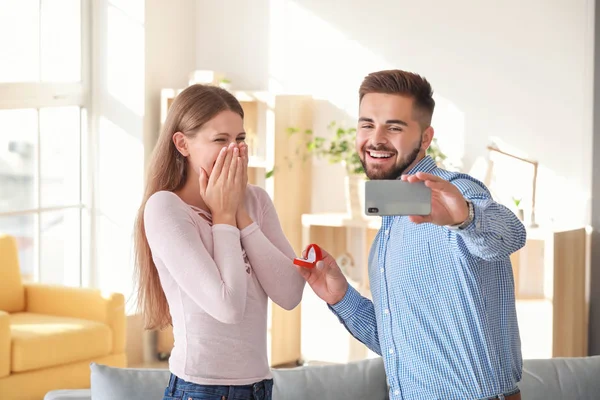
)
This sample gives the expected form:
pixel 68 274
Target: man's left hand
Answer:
pixel 448 206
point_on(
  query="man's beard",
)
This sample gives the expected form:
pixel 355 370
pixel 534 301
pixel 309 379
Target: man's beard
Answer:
pixel 396 170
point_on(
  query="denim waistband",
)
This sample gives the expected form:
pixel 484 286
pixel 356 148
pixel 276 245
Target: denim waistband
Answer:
pixel 231 391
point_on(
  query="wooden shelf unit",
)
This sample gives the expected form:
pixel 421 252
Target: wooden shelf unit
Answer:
pixel 552 268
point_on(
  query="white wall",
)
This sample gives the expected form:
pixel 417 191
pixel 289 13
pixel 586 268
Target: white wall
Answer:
pixel 140 46
pixel 233 37
pixel 170 55
pixel 517 71
pixel 118 112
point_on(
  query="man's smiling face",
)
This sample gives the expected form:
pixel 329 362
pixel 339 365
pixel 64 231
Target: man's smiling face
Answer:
pixel 389 139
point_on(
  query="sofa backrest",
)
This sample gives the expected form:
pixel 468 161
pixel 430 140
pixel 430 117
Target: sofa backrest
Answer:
pixel 363 379
pixel 12 292
pixel 561 378
pixel 549 379
pixel 356 380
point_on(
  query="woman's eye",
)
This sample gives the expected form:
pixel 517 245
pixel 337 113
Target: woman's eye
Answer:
pixel 219 140
pixel 394 128
pixel 241 139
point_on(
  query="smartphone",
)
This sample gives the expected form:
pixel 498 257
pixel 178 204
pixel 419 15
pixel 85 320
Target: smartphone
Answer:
pixel 397 197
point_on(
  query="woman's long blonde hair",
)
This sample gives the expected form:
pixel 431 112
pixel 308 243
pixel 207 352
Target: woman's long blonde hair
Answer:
pixel 167 170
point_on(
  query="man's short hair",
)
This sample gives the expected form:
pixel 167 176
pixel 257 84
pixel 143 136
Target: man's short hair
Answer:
pixel 402 83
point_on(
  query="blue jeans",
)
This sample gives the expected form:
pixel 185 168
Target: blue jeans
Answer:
pixel 179 389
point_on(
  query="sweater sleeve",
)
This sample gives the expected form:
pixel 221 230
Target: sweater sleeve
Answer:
pixel 217 284
pixel 271 257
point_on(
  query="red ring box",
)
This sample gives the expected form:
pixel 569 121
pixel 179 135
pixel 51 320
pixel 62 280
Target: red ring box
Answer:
pixel 313 254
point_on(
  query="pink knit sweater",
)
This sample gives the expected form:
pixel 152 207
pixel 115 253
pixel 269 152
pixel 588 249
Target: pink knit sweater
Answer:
pixel 217 279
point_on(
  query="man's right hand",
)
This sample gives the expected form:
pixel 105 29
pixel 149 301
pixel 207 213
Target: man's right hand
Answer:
pixel 326 279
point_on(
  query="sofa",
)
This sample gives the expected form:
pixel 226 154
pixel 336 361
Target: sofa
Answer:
pixel 551 379
pixel 49 335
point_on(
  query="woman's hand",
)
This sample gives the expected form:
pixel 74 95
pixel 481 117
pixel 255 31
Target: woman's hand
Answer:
pixel 241 217
pixel 244 158
pixel 222 191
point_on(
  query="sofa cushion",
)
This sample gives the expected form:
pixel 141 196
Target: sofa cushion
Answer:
pixel 110 383
pixel 40 341
pixel 363 379
pixel 356 380
pixel 12 293
pixel 561 378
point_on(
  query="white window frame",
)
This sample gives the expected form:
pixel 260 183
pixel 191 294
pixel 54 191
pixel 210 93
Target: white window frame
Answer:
pixel 33 95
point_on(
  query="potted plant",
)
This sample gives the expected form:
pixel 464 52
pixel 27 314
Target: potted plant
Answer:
pixel 436 153
pixel 225 83
pixel 520 211
pixel 341 149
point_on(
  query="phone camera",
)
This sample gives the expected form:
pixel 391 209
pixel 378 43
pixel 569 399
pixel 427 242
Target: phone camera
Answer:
pixel 373 210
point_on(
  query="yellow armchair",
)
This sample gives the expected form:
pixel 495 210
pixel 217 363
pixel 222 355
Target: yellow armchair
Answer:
pixel 50 334
pixel 4 344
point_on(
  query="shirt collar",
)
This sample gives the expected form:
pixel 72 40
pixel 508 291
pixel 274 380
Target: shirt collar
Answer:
pixel 427 164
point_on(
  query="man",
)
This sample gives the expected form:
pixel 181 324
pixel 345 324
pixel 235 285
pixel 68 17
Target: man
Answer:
pixel 443 312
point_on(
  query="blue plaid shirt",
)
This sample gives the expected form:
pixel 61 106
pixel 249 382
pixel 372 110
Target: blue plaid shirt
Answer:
pixel 443 314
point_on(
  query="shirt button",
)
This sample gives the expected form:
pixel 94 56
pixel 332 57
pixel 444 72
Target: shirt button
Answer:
pixel 396 392
pixel 387 232
pixel 381 269
pixel 391 351
pixel 386 311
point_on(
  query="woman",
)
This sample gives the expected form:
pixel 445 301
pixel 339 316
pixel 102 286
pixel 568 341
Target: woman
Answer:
pixel 210 251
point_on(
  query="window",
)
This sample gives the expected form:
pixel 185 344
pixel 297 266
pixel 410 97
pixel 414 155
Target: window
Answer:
pixel 44 101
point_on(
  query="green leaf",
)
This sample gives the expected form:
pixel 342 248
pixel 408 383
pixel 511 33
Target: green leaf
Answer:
pixel 337 149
